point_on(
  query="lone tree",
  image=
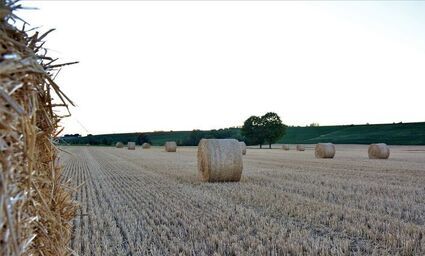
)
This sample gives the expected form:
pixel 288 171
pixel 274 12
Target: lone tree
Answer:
pixel 267 128
pixel 252 130
pixel 273 127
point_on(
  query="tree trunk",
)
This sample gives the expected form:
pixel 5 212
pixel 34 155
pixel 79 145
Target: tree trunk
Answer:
pixel 261 146
pixel 270 146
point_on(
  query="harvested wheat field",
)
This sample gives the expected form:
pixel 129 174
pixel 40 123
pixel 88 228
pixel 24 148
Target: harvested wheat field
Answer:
pixel 149 202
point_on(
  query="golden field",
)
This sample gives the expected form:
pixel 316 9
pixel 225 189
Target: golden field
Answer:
pixel 150 202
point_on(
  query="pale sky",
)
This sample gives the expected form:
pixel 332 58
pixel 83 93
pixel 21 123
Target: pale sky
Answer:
pixel 149 66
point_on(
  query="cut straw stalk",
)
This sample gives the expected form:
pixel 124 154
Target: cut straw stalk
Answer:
pixel 36 210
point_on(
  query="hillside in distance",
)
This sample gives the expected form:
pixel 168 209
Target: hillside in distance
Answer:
pixel 392 134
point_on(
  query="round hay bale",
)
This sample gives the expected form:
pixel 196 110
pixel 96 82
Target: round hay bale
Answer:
pixel 243 147
pixel 285 147
pixel 324 150
pixel 146 145
pixel 219 160
pixel 119 144
pixel 300 147
pixel 131 145
pixel 170 146
pixel 379 151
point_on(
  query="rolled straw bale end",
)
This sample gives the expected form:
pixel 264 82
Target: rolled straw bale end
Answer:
pixel 170 146
pixel 243 147
pixel 379 151
pixel 131 145
pixel 300 147
pixel 219 160
pixel 146 145
pixel 324 150
pixel 285 147
pixel 119 145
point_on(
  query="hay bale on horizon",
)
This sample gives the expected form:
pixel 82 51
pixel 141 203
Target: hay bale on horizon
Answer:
pixel 146 145
pixel 219 160
pixel 300 147
pixel 170 146
pixel 379 151
pixel 285 147
pixel 119 144
pixel 131 145
pixel 324 150
pixel 243 147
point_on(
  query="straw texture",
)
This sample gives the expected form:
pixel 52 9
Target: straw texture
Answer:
pixel 170 146
pixel 219 160
pixel 300 147
pixel 243 147
pixel 119 145
pixel 379 151
pixel 146 145
pixel 131 145
pixel 36 208
pixel 324 150
pixel 285 147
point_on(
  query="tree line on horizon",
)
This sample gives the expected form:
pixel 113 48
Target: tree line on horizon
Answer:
pixel 392 134
pixel 255 131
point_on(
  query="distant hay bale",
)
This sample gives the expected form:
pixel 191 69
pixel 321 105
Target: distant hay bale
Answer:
pixel 379 151
pixel 170 146
pixel 146 145
pixel 324 150
pixel 300 147
pixel 119 145
pixel 131 145
pixel 285 147
pixel 243 147
pixel 219 160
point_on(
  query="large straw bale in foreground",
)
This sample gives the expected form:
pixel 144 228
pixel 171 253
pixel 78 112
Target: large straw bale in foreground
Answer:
pixel 219 160
pixel 131 145
pixel 146 145
pixel 285 147
pixel 300 147
pixel 324 150
pixel 243 147
pixel 36 208
pixel 379 151
pixel 119 145
pixel 170 146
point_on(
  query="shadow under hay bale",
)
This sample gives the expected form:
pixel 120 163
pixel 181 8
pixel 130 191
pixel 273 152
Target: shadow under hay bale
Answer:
pixel 379 151
pixel 324 150
pixel 219 160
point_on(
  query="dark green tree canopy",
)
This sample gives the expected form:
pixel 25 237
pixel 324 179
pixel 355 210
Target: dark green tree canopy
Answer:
pixel 252 131
pixel 142 138
pixel 267 128
pixel 273 127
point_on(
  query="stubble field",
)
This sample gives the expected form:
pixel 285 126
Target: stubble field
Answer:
pixel 149 202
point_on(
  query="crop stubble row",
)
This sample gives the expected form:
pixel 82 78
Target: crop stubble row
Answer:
pixel 149 202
